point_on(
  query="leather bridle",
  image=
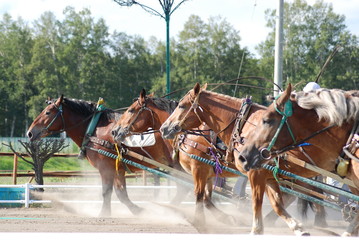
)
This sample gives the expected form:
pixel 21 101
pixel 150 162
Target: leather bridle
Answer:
pixel 143 108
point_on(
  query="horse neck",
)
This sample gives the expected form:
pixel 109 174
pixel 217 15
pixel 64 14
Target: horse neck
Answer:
pixel 220 113
pixel 75 126
pixel 328 144
pixel 159 117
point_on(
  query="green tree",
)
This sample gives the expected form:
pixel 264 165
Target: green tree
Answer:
pixel 207 53
pixel 311 32
pixel 15 56
pixel 45 63
pixel 133 67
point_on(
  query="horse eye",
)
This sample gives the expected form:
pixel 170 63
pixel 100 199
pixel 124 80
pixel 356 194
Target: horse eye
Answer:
pixel 181 106
pixel 131 110
pixel 267 121
pixel 47 113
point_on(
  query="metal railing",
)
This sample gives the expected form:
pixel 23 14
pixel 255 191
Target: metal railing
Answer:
pixel 28 187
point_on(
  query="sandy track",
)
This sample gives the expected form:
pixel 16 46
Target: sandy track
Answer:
pixel 155 219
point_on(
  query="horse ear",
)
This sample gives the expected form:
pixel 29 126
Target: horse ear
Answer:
pixel 284 96
pixel 204 86
pixel 143 93
pixel 197 88
pixel 151 94
pixel 142 96
pixel 59 100
pixel 48 100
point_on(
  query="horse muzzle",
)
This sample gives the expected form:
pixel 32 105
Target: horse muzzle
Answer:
pixel 170 132
pixel 119 134
pixel 35 133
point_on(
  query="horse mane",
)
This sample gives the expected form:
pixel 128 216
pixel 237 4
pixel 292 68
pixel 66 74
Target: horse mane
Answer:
pixel 165 104
pixel 333 105
pixel 222 95
pixel 87 108
pixel 229 98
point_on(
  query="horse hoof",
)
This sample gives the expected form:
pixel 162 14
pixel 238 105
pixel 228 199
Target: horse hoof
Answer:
pixel 105 213
pixel 346 234
pixel 136 210
pixel 256 232
pixel 301 233
pixel 232 221
pixel 321 224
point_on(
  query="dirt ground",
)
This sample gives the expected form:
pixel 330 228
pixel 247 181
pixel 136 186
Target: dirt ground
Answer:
pixel 76 211
pixel 157 218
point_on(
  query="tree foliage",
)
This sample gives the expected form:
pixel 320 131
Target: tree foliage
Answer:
pixel 311 32
pixel 78 57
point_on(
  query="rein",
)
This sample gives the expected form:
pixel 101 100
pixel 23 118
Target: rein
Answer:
pixel 194 106
pixel 265 153
pixel 143 108
pixel 60 112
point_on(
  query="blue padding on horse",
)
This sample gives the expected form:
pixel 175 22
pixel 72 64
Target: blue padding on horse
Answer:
pixel 304 144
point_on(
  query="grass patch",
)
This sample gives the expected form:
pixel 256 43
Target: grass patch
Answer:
pixel 53 164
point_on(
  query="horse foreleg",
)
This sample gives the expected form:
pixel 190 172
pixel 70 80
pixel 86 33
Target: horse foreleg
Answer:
pixel 106 196
pixel 272 216
pixel 121 192
pixel 218 214
pixel 107 188
pixel 182 190
pixel 199 191
pixel 275 197
pixel 258 189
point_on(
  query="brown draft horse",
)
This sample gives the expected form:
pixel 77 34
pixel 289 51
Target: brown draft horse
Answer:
pixel 149 112
pixel 219 113
pixel 73 116
pixel 333 114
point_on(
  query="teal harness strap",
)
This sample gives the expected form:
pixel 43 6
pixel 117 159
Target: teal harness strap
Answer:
pixel 288 111
pixel 91 127
pixel 276 169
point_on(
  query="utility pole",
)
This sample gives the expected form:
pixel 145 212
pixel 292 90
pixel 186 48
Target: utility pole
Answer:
pixel 278 58
pixel 167 12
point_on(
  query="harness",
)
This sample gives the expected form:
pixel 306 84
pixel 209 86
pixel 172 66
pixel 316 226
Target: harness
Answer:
pixel 91 128
pixel 143 108
pixel 59 113
pixel 348 150
pixel 241 119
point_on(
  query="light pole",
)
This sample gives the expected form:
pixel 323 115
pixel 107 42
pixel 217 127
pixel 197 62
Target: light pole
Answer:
pixel 167 12
pixel 278 58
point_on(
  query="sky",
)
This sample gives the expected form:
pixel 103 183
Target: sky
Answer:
pixel 246 16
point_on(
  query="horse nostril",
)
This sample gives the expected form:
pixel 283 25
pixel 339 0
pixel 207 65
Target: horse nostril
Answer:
pixel 177 128
pixel 29 134
pixel 247 167
pixel 242 158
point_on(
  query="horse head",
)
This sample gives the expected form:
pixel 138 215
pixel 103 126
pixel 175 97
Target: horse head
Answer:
pixel 270 133
pixel 49 121
pixel 186 116
pixel 137 118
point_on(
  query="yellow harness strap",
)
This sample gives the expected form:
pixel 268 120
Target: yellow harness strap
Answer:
pixel 119 158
